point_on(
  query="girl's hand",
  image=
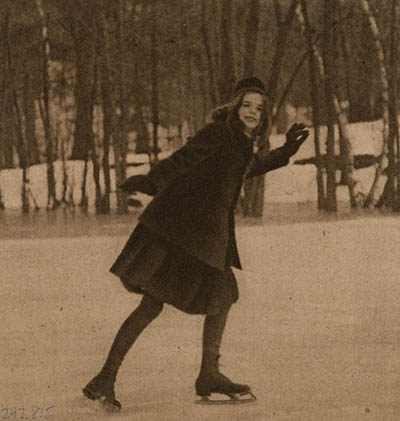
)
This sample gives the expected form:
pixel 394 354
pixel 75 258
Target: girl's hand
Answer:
pixel 138 183
pixel 295 137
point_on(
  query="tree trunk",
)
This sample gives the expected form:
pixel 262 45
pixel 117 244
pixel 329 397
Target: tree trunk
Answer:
pixel 385 100
pixel 253 200
pixel 338 108
pixel 142 140
pixel 251 35
pixel 203 96
pixel 281 37
pixel 45 110
pixel 84 203
pixel 154 86
pixel 103 52
pixel 121 137
pixel 7 124
pixel 348 69
pixel 8 131
pixel 17 121
pixel 315 100
pixel 393 115
pixel 85 50
pixel 210 61
pixel 187 83
pixel 341 106
pixel 21 148
pixel 64 172
pixel 226 76
pixel 2 206
pixel 29 121
pixel 331 204
pixel 95 162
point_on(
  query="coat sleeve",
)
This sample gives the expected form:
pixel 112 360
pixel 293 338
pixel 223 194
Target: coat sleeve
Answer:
pixel 203 145
pixel 267 161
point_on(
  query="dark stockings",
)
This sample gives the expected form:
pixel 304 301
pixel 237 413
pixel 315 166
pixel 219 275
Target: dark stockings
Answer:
pixel 148 309
pixel 213 330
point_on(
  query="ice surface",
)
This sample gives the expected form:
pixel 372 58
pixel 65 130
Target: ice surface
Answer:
pixel 315 332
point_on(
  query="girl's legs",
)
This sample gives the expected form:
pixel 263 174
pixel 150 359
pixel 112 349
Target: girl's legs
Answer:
pixel 102 386
pixel 210 380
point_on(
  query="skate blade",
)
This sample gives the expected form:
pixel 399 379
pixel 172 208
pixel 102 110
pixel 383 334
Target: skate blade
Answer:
pixel 246 397
pixel 110 405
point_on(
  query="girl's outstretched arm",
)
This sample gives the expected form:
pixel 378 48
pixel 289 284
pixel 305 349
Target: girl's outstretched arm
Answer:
pixel 279 157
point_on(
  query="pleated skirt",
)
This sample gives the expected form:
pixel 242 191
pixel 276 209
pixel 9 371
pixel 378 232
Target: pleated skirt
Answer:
pixel 148 265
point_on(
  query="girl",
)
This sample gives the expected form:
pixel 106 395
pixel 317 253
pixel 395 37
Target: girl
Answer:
pixel 183 248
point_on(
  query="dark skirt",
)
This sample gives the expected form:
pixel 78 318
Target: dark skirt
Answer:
pixel 147 265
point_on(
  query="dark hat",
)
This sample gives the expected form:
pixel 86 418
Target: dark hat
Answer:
pixel 251 84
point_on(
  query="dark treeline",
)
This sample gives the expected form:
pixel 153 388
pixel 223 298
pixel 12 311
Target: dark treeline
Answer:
pixel 78 77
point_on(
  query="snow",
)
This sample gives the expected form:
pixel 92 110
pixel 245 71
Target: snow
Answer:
pixel 315 332
pixel 294 183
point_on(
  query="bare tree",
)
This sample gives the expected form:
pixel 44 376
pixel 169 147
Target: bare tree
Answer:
pixel 314 88
pixel 45 108
pixel 107 104
pixel 253 201
pixel 154 82
pixel 251 35
pixel 393 139
pixel 338 106
pixel 226 76
pixel 331 204
pixel 28 109
pixel 210 59
pixel 385 99
pixel 120 138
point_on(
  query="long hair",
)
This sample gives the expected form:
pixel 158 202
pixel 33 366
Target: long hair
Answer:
pixel 229 114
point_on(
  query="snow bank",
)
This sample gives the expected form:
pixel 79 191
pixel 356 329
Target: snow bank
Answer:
pixel 294 183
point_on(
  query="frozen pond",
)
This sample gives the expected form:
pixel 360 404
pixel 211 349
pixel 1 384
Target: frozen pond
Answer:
pixel 315 332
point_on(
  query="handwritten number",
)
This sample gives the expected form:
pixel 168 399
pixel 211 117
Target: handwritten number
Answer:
pixel 35 410
pixel 5 414
pixel 48 415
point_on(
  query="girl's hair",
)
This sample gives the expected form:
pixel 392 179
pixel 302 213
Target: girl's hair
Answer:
pixel 229 114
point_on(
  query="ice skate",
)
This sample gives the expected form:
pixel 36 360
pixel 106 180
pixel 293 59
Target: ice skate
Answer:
pixel 102 388
pixel 211 381
pixel 217 383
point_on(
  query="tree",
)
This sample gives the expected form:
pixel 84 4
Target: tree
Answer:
pixel 15 114
pixel 210 59
pixel 226 76
pixel 253 201
pixel 331 204
pixel 45 108
pixel 103 52
pixel 314 88
pixel 393 139
pixel 385 99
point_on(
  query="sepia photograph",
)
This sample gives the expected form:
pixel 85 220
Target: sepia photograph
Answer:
pixel 199 210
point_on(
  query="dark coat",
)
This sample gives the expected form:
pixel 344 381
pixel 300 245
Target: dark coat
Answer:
pixel 192 215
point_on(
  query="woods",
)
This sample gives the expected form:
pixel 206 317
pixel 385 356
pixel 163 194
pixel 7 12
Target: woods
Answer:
pixel 97 82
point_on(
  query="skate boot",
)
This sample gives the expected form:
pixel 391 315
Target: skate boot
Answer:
pixel 211 381
pixel 101 388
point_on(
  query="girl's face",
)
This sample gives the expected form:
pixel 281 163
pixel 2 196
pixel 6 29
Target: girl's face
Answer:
pixel 250 111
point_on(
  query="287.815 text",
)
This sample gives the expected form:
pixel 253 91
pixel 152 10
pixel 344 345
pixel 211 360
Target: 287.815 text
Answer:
pixel 27 414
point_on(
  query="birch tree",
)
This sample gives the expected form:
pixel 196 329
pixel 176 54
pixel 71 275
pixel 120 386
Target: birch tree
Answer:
pixel 339 111
pixel 45 107
pixel 385 99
